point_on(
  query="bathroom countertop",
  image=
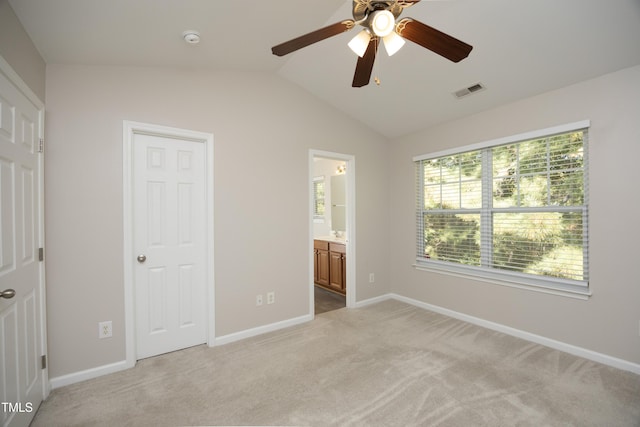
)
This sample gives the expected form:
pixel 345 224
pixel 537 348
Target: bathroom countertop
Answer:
pixel 332 239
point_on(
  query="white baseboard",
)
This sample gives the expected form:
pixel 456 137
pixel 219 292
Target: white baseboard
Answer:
pixel 248 333
pixel 99 371
pixel 237 336
pixel 88 374
pixel 373 300
pixel 547 342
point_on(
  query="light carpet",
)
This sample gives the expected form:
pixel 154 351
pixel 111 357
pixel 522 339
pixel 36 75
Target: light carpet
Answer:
pixel 388 364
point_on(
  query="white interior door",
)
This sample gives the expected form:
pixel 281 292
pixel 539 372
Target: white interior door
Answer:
pixel 21 274
pixel 169 233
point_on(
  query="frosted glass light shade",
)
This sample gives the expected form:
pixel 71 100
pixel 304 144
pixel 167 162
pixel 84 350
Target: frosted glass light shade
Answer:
pixel 360 42
pixel 392 43
pixel 382 22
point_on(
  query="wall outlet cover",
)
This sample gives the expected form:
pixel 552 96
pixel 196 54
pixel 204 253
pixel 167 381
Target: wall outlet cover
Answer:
pixel 105 329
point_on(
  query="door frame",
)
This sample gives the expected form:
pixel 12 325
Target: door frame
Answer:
pixel 350 173
pixel 130 129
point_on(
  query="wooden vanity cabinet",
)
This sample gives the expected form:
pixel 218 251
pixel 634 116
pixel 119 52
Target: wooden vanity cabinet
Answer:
pixel 321 262
pixel 329 266
pixel 337 267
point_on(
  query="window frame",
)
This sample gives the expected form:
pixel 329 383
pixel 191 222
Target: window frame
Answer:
pixel 545 284
pixel 319 218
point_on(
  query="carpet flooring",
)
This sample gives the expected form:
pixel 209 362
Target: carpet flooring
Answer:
pixel 388 364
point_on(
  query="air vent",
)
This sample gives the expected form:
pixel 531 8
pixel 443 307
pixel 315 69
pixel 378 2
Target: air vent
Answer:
pixel 469 90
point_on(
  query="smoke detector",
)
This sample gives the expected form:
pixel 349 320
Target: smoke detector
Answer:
pixel 191 37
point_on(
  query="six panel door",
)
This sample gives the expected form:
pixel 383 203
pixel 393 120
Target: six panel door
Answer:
pixel 169 243
pixel 21 339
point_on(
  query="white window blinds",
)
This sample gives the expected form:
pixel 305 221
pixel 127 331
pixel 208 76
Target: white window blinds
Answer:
pixel 516 209
pixel 318 197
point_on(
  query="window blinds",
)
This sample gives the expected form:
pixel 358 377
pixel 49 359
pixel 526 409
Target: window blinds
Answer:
pixel 318 198
pixel 519 207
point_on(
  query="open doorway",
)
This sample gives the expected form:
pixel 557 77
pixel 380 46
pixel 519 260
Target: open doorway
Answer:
pixel 332 231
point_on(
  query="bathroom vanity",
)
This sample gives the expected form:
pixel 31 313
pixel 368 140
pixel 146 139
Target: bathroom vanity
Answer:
pixel 329 264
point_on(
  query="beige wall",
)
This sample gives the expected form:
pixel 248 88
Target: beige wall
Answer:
pixel 19 51
pixel 253 132
pixel 609 321
pixel 263 129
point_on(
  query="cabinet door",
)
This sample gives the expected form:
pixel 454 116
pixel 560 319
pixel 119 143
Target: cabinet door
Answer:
pixel 336 269
pixel 315 266
pixel 322 267
pixel 344 273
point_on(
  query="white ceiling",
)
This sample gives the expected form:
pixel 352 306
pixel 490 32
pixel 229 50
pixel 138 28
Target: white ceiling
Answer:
pixel 521 48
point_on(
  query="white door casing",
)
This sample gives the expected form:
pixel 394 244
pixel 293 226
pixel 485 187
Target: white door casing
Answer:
pixel 23 381
pixel 170 229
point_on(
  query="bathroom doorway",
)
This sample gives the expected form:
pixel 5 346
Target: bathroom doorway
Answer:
pixel 332 231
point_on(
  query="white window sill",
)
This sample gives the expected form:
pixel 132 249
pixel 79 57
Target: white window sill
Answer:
pixel 544 285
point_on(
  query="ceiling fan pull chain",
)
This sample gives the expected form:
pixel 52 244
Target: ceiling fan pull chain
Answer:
pixel 375 64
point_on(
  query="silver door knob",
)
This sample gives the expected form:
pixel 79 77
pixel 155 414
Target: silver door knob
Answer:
pixel 142 258
pixel 8 293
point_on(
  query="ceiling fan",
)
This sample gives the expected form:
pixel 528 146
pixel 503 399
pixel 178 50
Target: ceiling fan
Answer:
pixel 379 18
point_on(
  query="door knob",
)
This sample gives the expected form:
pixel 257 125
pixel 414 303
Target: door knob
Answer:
pixel 8 293
pixel 142 258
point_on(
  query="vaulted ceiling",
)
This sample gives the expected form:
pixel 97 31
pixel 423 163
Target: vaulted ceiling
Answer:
pixel 520 48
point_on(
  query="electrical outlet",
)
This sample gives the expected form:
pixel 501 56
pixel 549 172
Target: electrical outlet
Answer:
pixel 105 329
pixel 372 277
pixel 258 300
pixel 271 297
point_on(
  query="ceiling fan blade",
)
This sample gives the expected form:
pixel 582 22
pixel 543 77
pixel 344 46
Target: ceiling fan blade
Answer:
pixel 432 39
pixel 364 67
pixel 313 37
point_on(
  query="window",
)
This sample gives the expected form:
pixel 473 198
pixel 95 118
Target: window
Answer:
pixel 513 210
pixel 318 198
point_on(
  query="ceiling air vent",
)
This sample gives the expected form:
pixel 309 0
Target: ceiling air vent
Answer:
pixel 469 90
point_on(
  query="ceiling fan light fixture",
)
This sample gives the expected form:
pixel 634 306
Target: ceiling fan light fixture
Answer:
pixel 392 43
pixel 378 18
pixel 382 22
pixel 360 42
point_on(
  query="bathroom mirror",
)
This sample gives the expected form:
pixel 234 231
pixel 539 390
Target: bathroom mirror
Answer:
pixel 338 203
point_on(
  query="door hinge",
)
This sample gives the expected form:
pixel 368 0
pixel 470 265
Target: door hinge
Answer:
pixel 43 361
pixel 40 254
pixel 41 145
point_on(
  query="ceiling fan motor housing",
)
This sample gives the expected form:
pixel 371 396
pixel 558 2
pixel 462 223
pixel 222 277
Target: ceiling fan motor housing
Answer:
pixel 363 8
